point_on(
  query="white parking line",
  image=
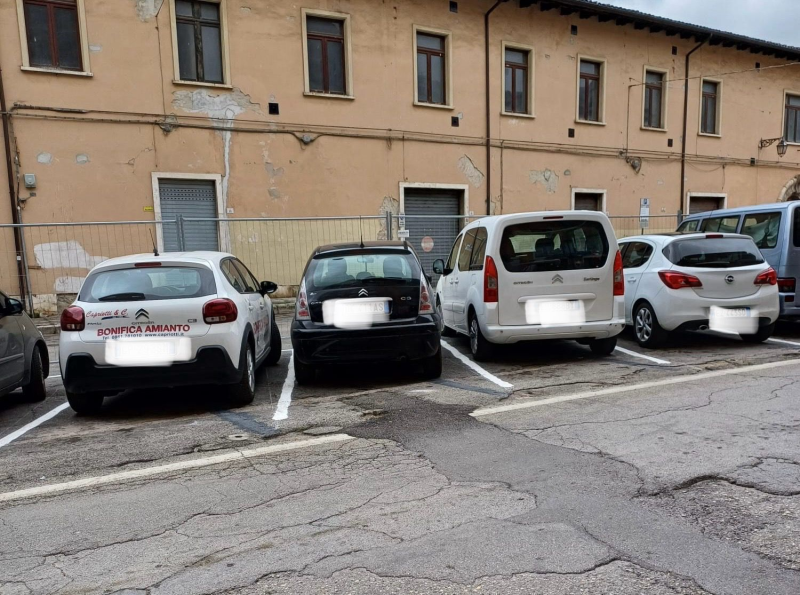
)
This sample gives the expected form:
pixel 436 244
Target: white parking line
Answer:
pixel 179 466
pixel 655 360
pixel 528 403
pixel 774 340
pixel 36 422
pixel 471 364
pixel 282 411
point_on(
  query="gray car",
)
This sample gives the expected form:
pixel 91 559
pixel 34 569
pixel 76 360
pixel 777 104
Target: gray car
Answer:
pixel 24 360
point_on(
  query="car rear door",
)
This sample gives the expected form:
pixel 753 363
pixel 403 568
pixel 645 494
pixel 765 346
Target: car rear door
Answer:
pixel 635 259
pixel 448 284
pixel 12 354
pixel 257 307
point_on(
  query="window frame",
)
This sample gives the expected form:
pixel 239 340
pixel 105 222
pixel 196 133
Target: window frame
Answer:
pixel 348 52
pixel 225 57
pixel 575 191
pixel 83 43
pixel 629 245
pixel 531 72
pixel 473 266
pixel 601 93
pixel 691 195
pixel 786 94
pixel 664 97
pixel 448 65
pixel 718 104
pixel 703 227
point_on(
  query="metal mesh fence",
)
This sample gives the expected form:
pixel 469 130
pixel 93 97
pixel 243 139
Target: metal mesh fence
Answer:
pixel 632 226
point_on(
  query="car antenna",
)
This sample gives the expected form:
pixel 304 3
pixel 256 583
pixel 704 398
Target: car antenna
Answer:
pixel 361 230
pixel 155 249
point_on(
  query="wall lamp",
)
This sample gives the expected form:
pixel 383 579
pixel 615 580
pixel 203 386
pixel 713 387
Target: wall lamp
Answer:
pixel 782 144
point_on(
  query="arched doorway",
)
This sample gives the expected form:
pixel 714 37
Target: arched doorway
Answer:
pixel 791 191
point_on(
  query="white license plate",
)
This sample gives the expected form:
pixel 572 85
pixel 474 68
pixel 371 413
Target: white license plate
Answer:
pixel 367 307
pixel 730 312
pixel 355 313
pixel 566 306
pixel 147 352
pixel 554 312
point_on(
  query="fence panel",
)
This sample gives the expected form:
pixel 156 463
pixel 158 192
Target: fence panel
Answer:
pixel 631 226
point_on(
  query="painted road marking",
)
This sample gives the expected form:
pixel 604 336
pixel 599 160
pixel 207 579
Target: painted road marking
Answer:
pixel 36 422
pixel 527 404
pixel 773 340
pixel 282 410
pixel 655 360
pixel 179 466
pixel 471 364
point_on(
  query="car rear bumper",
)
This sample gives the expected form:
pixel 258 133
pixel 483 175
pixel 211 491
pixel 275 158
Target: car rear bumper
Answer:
pixel 588 330
pixel 316 343
pixel 211 366
pixel 790 309
pixel 678 312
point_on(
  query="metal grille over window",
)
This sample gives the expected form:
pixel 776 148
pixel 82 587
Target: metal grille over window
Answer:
pixel 516 81
pixel 431 69
pixel 199 41
pixel 326 61
pixel 589 92
pixel 653 100
pixel 53 35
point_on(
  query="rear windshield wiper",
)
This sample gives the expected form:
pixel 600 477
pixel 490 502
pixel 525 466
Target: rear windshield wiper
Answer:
pixel 127 296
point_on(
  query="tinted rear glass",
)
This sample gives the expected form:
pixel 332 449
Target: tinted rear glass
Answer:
pixel 689 225
pixel 366 268
pixel 763 228
pixel 717 253
pixel 157 283
pixel 553 246
pixel 721 224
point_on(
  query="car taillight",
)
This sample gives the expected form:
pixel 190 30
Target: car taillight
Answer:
pixel 490 282
pixel 787 285
pixel 73 319
pixel 676 280
pixel 301 311
pixel 619 280
pixel 769 277
pixel 219 311
pixel 425 304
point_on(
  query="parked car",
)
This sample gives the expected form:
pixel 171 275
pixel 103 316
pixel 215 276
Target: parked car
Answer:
pixel 367 302
pixel 775 228
pixel 532 276
pixel 24 361
pixel 142 321
pixel 677 282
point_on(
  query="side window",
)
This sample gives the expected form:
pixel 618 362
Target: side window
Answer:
pixel 478 250
pixel 250 283
pixel 233 276
pixel 198 34
pixel 466 251
pixel 623 246
pixel 451 261
pixel 636 255
pixel 796 228
pixel 763 228
pixel 3 300
pixel 688 226
pixel 721 224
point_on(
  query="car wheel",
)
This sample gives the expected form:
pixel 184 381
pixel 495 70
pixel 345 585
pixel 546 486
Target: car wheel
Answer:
pixel 35 389
pixel 646 329
pixel 274 345
pixel 243 392
pixel 303 373
pixel 763 333
pixel 603 346
pixel 85 403
pixel 432 366
pixel 481 348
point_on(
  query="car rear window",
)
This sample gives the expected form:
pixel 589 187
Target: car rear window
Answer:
pixel 689 225
pixel 152 283
pixel 721 224
pixel 553 246
pixel 362 268
pixel 763 228
pixel 717 253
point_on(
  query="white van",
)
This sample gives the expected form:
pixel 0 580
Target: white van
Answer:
pixel 533 276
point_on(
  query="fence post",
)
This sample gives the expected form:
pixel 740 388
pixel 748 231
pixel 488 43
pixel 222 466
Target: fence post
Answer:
pixel 388 225
pixel 26 270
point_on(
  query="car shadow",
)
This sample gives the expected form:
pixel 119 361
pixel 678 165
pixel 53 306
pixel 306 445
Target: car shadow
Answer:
pixel 163 403
pixel 365 376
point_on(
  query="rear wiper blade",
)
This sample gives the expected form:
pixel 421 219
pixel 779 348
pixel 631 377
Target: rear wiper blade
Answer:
pixel 128 296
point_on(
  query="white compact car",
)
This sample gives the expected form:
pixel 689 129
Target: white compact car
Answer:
pixel 532 276
pixel 177 319
pixel 697 281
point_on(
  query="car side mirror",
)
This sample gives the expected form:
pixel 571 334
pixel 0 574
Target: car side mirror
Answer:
pixel 268 287
pixel 13 307
pixel 438 266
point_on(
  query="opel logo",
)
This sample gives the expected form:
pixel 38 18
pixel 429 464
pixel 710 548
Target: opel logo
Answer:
pixel 363 293
pixel 557 279
pixel 729 279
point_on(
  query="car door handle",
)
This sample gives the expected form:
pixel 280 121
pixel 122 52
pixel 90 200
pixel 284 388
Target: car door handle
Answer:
pixel 249 306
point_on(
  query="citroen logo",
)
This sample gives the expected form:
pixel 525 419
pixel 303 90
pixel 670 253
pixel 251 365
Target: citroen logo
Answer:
pixel 363 293
pixel 142 313
pixel 729 279
pixel 557 279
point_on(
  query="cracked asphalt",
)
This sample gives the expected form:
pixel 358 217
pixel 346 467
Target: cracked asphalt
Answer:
pixel 651 487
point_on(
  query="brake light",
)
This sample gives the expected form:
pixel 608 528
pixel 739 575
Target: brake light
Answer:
pixel 219 311
pixel 714 236
pixel 425 304
pixel 769 277
pixel 147 265
pixel 490 282
pixel 549 217
pixel 73 319
pixel 301 311
pixel 619 281
pixel 787 285
pixel 676 280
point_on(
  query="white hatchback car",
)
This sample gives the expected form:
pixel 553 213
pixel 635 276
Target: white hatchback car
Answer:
pixel 142 321
pixel 697 281
pixel 533 276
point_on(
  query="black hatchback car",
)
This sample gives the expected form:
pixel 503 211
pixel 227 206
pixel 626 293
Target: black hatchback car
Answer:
pixel 365 302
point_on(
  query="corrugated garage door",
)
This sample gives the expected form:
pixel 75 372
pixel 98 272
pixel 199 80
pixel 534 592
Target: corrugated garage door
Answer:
pixel 588 201
pixel 435 232
pixel 701 204
pixel 189 198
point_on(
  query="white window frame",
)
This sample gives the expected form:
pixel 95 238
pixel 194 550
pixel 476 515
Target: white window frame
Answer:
pixel 84 44
pixel 448 64
pixel 700 132
pixel 691 195
pixel 463 188
pixel 223 31
pixel 512 45
pixel 787 92
pixel 157 176
pixel 575 191
pixel 602 94
pixel 348 52
pixel 664 96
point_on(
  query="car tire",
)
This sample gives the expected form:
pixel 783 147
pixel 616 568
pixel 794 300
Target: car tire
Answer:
pixel 244 392
pixel 85 403
pixel 432 366
pixel 304 373
pixel 481 349
pixel 603 346
pixel 35 390
pixel 275 345
pixel 646 330
pixel 763 333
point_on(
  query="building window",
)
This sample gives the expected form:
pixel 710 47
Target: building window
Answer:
pixel 702 203
pixel 588 200
pixel 199 38
pixel 709 110
pixel 431 69
pixel 792 119
pixel 654 104
pixel 53 34
pixel 517 80
pixel 326 55
pixel 590 91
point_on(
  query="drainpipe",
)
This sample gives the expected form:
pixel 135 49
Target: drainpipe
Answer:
pixel 488 109
pixel 11 191
pixel 685 109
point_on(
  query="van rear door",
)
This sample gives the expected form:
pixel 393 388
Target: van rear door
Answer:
pixel 558 263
